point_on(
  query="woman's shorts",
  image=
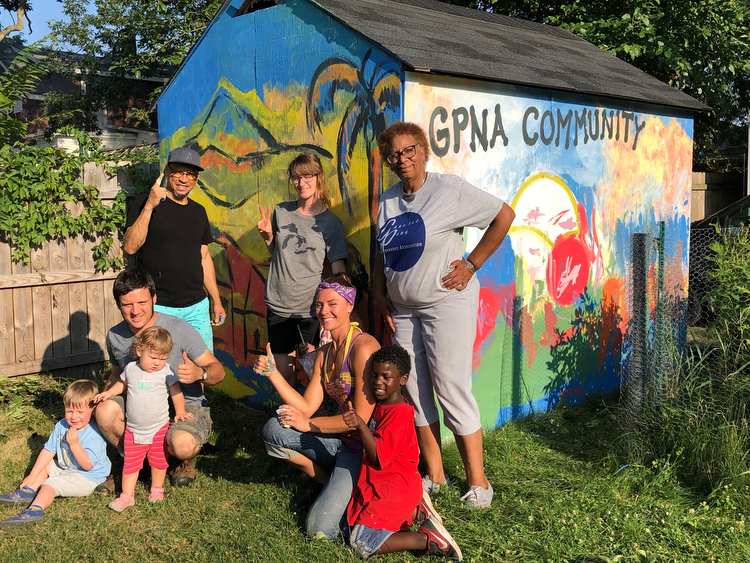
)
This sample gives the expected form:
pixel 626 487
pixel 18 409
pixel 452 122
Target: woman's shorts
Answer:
pixel 284 336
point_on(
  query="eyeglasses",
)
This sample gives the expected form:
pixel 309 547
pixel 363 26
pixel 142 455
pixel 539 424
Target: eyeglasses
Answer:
pixel 305 177
pixel 395 156
pixel 189 174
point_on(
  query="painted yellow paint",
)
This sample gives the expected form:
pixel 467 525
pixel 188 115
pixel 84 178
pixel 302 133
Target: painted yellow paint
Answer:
pixel 233 387
pixel 655 178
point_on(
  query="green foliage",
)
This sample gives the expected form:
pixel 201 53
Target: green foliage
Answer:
pixel 43 198
pixel 20 397
pixel 701 425
pixel 25 72
pixel 730 293
pixel 701 48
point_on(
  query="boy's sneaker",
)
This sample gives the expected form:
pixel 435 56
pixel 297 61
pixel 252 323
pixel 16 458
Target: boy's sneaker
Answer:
pixel 24 496
pixel 121 502
pixel 431 487
pixel 439 541
pixel 156 494
pixel 31 515
pixel 477 497
pixel 183 474
pixel 425 510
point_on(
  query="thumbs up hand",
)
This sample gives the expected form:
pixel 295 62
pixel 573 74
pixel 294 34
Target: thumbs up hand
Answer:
pixel 352 419
pixel 187 371
pixel 265 365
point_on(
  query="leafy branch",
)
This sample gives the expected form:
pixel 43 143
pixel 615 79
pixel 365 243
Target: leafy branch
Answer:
pixel 42 198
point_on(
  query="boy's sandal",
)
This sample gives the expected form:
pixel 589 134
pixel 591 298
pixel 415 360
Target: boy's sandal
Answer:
pixel 22 495
pixel 156 494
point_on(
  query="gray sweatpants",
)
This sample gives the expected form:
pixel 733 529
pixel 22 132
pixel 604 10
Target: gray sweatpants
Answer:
pixel 439 339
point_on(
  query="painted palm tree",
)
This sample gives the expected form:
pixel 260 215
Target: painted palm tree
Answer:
pixel 375 103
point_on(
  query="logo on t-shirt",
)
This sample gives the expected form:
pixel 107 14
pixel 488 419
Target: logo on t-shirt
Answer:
pixel 401 241
pixel 293 239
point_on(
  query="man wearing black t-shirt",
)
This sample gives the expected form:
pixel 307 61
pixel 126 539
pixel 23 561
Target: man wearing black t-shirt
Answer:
pixel 170 234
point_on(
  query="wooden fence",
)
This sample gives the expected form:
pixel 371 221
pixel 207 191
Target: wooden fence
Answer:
pixel 56 310
pixel 713 191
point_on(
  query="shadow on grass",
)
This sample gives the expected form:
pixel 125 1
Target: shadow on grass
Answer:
pixel 587 431
pixel 35 443
pixel 236 452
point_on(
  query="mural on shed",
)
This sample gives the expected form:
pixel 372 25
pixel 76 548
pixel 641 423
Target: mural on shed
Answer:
pixel 581 174
pixel 581 177
pixel 291 80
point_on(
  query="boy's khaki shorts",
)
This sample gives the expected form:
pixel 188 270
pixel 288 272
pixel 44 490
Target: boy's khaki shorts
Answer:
pixel 68 482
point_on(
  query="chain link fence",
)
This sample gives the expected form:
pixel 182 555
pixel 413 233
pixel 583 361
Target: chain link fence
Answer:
pixel 657 326
pixel 671 332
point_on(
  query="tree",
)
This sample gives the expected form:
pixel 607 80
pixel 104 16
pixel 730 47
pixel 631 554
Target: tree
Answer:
pixel 122 40
pixel 22 9
pixel 702 48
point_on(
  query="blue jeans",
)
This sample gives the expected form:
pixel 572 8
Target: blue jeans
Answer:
pixel 328 513
pixel 196 315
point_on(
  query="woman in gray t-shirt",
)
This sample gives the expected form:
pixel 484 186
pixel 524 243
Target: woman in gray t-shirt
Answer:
pixel 300 235
pixel 429 296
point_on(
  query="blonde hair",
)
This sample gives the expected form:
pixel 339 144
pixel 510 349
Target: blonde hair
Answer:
pixel 154 338
pixel 308 163
pixel 80 393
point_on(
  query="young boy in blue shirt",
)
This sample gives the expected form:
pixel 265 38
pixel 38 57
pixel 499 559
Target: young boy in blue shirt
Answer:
pixel 71 464
pixel 388 495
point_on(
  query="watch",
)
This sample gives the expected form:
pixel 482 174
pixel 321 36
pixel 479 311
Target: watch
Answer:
pixel 204 376
pixel 471 266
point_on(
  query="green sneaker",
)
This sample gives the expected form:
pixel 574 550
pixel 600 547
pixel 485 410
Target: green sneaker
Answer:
pixel 31 515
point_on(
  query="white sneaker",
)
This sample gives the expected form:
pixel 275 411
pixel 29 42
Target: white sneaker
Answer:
pixel 478 497
pixel 431 487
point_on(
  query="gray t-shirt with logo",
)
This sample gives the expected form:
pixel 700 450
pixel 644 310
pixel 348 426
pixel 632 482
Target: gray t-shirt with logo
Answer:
pixel 302 243
pixel 420 234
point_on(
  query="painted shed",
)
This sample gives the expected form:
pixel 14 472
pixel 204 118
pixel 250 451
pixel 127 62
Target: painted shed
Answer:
pixel 587 149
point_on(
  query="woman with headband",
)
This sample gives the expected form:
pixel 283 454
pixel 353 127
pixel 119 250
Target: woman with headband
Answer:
pixel 300 235
pixel 323 447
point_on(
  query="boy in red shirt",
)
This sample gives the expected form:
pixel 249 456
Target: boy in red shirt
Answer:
pixel 388 495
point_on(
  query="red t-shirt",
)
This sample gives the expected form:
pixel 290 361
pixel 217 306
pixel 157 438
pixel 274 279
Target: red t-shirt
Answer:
pixel 385 497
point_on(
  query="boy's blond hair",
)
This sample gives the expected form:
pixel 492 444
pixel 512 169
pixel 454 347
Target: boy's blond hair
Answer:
pixel 80 393
pixel 155 338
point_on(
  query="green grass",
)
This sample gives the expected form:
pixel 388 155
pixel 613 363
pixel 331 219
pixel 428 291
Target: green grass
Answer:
pixel 560 495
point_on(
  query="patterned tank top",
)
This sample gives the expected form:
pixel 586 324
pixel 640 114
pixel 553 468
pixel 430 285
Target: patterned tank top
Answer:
pixel 340 388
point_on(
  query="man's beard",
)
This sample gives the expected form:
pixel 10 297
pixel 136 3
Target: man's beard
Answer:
pixel 179 197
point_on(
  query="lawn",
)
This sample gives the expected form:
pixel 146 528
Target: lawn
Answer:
pixel 561 494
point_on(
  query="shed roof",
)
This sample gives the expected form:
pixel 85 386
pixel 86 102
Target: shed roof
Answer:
pixel 451 40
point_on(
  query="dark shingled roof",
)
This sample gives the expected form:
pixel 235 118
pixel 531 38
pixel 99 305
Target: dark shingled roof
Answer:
pixel 445 39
